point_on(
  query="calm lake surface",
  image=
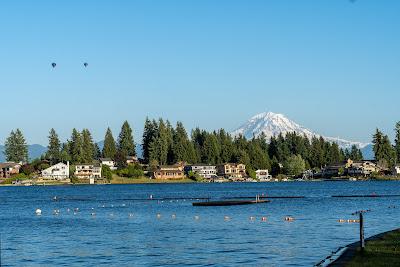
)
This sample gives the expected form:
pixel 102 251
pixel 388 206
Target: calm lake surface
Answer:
pixel 114 238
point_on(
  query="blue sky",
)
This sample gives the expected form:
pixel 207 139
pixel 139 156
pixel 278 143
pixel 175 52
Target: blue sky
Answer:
pixel 332 66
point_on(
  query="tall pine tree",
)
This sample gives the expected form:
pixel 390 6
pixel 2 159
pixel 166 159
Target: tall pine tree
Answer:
pixel 54 147
pixel 397 142
pixel 88 147
pixel 109 148
pixel 16 149
pixel 126 145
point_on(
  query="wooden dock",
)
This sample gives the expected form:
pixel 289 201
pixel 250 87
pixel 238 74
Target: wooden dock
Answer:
pixel 229 202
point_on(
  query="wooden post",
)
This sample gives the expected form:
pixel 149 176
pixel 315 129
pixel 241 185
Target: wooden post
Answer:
pixel 362 241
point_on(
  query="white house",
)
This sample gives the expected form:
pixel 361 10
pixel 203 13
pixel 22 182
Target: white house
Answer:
pixel 60 171
pixel 263 175
pixel 108 162
pixel 205 171
pixel 88 171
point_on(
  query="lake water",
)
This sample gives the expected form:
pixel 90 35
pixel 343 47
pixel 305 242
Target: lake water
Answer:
pixel 113 237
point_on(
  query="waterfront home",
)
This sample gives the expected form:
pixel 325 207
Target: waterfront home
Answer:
pixel 132 160
pixel 88 171
pixel 334 170
pixel 232 170
pixel 59 171
pixel 169 172
pixel 361 168
pixel 263 175
pixel 108 162
pixel 204 170
pixel 8 169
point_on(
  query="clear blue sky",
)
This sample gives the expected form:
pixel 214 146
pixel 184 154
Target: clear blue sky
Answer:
pixel 331 65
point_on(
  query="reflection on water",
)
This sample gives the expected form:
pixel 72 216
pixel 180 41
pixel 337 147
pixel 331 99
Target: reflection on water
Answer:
pixel 118 226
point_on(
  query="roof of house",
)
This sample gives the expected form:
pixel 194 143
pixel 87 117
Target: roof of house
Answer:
pixel 7 164
pixel 105 159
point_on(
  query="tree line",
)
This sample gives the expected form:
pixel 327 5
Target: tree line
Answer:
pixel 164 144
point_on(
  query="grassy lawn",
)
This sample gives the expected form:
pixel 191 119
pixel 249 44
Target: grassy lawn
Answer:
pixel 384 251
pixel 144 180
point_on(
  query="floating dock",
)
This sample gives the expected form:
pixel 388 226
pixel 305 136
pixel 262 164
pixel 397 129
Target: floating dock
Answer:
pixel 229 202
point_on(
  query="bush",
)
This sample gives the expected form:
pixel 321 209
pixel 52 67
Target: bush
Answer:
pixel 106 172
pixel 194 176
pixel 27 169
pixel 132 171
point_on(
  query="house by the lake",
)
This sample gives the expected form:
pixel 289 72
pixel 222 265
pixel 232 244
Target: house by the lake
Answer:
pixel 92 172
pixel 232 170
pixel 59 171
pixel 204 170
pixel 168 172
pixel 8 169
pixel 108 162
pixel 263 175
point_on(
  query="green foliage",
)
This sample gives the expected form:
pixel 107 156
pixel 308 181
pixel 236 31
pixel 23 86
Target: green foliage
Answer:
pixel 27 169
pixel 16 149
pixel 383 149
pixel 109 148
pixel 354 153
pixel 149 134
pixel 75 147
pixel 251 173
pixel 397 142
pixel 126 144
pixel 294 165
pixel 88 148
pixel 120 160
pixel 132 171
pixel 53 153
pixel 194 176
pixel 106 172
pixel 42 166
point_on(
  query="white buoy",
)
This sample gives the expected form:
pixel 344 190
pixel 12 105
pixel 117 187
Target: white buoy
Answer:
pixel 227 218
pixel 130 214
pixel 38 212
pixel 173 216
pixel 158 215
pixel 196 217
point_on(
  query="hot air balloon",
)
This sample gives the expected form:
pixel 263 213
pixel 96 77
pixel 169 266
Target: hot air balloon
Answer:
pixel 53 65
pixel 85 64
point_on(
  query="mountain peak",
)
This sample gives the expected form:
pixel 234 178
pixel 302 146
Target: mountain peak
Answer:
pixel 272 124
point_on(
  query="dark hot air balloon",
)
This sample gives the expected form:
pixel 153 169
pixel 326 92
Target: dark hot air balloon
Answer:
pixel 53 65
pixel 85 64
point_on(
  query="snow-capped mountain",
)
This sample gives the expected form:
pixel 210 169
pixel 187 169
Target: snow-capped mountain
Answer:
pixel 272 124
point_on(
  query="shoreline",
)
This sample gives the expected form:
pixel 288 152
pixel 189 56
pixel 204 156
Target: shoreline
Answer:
pixel 346 254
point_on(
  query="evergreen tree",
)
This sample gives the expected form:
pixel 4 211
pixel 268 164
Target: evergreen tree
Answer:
pixel 355 153
pixel 109 148
pixel 211 150
pixel 16 149
pixel 65 152
pixel 383 149
pixel 159 147
pixel 181 144
pixel 76 147
pixel 149 134
pixel 397 142
pixel 88 148
pixel 126 145
pixel 54 148
pixel 97 153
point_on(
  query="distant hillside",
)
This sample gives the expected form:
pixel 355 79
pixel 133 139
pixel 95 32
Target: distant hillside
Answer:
pixel 34 151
